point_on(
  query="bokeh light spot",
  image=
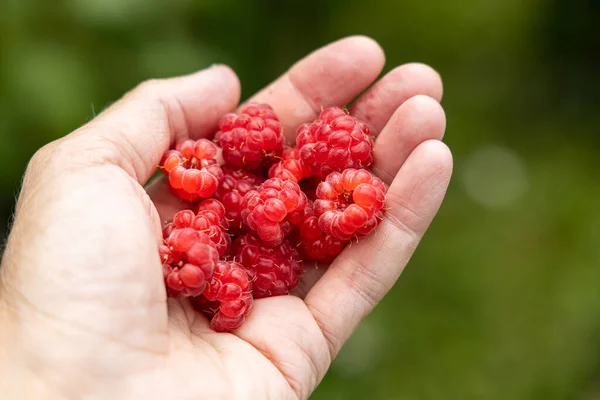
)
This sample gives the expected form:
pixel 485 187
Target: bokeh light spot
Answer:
pixel 495 177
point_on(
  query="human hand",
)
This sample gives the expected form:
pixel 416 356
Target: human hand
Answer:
pixel 83 309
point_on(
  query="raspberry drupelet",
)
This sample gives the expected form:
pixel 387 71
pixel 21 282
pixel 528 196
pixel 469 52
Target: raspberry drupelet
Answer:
pixel 265 210
pixel 274 271
pixel 192 169
pixel 333 142
pixel 215 206
pixel 235 184
pixel 290 167
pixel 252 138
pixel 227 298
pixel 349 203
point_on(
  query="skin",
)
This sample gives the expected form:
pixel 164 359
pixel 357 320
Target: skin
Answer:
pixel 83 310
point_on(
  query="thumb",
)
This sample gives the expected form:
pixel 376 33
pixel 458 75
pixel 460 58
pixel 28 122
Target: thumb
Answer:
pixel 80 271
pixel 135 131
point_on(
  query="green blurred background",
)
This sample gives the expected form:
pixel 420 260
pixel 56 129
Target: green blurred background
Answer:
pixel 501 300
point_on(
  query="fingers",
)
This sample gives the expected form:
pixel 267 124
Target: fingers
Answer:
pixel 139 128
pixel 366 270
pixel 419 119
pixel 378 103
pixel 332 75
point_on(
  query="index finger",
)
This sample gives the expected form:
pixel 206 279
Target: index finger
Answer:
pixel 331 76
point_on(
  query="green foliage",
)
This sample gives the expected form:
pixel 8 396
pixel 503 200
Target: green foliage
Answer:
pixel 501 299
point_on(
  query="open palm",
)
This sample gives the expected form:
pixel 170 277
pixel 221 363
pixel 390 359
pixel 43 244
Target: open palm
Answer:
pixel 83 309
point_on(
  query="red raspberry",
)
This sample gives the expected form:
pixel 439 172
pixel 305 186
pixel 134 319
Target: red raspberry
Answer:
pixel 227 299
pixel 274 270
pixel 333 142
pixel 189 259
pixel 290 167
pixel 234 186
pixel 251 138
pixel 265 210
pixel 192 169
pixel 350 203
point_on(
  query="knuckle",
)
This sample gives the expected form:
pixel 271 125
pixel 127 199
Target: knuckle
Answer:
pixel 363 282
pixel 332 337
pixel 41 165
pixel 402 216
pixel 43 157
pixel 149 87
pixel 73 151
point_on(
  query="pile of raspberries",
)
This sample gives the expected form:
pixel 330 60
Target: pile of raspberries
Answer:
pixel 257 210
